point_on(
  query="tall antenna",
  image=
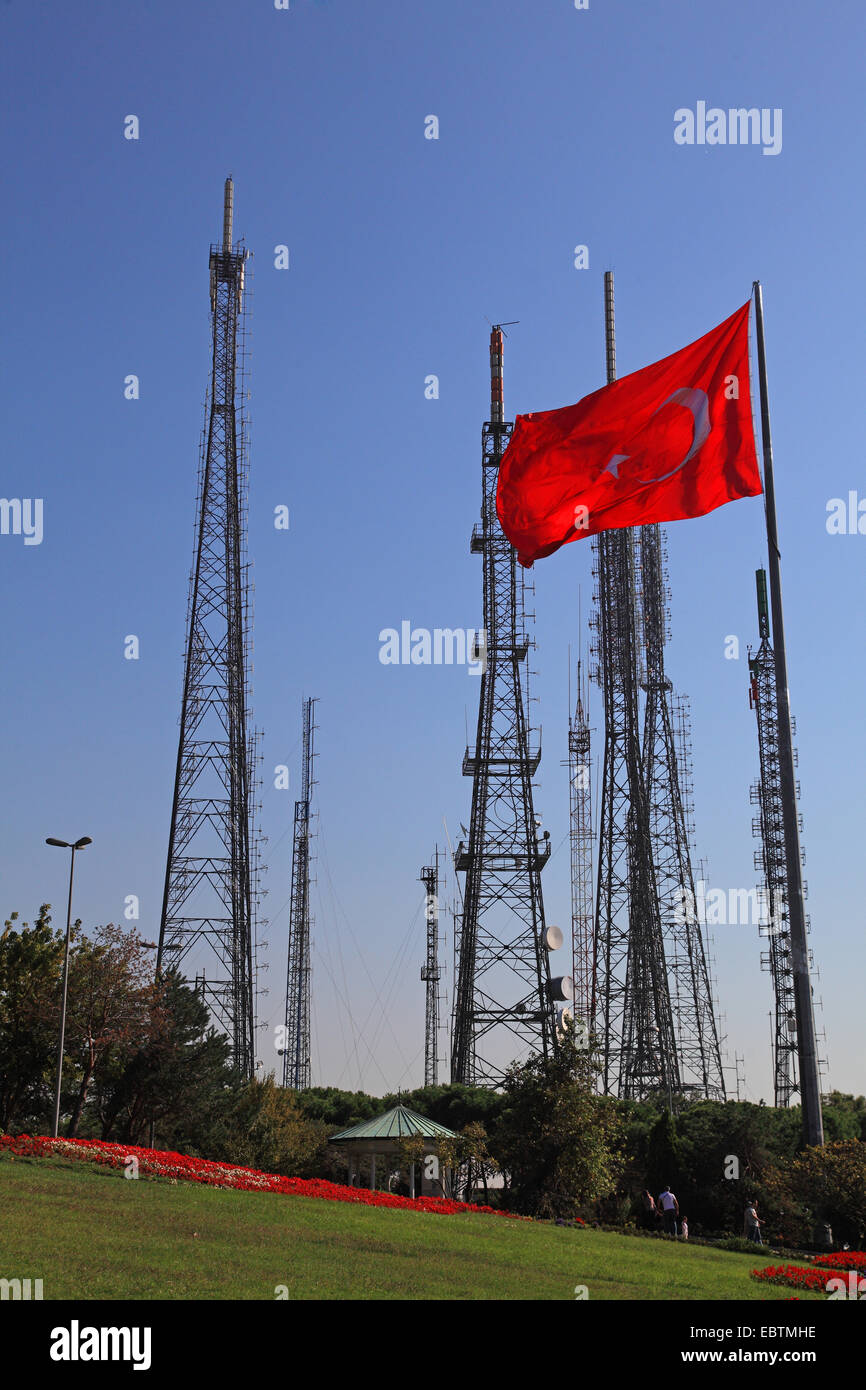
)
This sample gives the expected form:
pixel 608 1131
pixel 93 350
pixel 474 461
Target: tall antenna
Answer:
pixel 228 214
pixel 296 1056
pixel 210 894
pixel 768 827
pixel 580 834
pixel 504 995
pixel 633 1017
pixel 667 768
pixel 807 1045
pixel 430 971
pixel 740 1075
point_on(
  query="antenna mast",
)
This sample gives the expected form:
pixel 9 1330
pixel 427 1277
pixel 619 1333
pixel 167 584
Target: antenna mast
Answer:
pixel 430 971
pixel 667 768
pixel 634 1020
pixel 807 1046
pixel 296 1056
pixel 768 827
pixel 504 996
pixel 580 798
pixel 211 889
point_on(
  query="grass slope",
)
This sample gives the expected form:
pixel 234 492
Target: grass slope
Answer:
pixel 90 1233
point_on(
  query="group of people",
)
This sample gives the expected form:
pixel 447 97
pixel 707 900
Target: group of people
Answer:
pixel 665 1211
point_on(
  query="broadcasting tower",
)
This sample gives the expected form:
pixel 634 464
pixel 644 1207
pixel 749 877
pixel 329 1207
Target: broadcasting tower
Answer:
pixel 667 768
pixel 580 836
pixel 504 996
pixel 633 1020
pixel 767 826
pixel 654 1010
pixel 431 972
pixel 296 1055
pixel 208 911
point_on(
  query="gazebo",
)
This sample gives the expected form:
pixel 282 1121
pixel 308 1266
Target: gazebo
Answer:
pixel 380 1137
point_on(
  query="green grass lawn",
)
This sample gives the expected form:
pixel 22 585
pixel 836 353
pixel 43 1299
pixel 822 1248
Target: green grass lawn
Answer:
pixel 88 1232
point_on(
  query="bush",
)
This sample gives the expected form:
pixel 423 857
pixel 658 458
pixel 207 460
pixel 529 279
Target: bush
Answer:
pixel 821 1184
pixel 559 1143
pixel 739 1244
pixel 264 1128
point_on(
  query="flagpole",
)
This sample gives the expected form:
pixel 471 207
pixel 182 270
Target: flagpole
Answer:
pixel 807 1052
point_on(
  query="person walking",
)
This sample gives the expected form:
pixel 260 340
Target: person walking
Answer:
pixel 670 1210
pixel 752 1223
pixel 684 1228
pixel 650 1212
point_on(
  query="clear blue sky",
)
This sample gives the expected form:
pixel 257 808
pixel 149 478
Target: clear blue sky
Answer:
pixel 556 128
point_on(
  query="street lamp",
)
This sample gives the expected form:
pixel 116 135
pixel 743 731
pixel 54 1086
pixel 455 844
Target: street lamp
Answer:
pixel 64 844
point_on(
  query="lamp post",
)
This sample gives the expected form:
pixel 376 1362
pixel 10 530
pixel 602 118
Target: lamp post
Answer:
pixel 64 844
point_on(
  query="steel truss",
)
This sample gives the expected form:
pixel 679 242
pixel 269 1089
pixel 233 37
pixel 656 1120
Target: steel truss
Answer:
pixel 633 1020
pixel 210 889
pixel 770 861
pixel 667 769
pixel 503 1007
pixel 296 1056
pixel 431 972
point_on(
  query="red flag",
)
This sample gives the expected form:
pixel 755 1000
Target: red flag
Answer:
pixel 670 441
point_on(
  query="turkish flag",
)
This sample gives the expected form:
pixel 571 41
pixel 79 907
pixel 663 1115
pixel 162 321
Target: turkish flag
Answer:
pixel 670 441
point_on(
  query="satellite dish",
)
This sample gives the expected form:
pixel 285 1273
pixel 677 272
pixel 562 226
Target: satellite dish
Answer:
pixel 552 938
pixel 565 1019
pixel 561 988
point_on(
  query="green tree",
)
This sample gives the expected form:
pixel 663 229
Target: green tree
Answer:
pixel 266 1129
pixel 176 1076
pixel 411 1151
pixel 821 1184
pixel 664 1158
pixel 844 1117
pixel 473 1146
pixel 31 961
pixel 558 1143
pixel 111 997
pixel 339 1109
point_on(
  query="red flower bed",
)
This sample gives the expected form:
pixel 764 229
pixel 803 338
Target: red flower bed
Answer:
pixel 817 1275
pixel 157 1163
pixel 795 1277
pixel 843 1259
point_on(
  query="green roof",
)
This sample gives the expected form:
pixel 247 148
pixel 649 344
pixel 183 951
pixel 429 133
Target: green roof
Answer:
pixel 398 1123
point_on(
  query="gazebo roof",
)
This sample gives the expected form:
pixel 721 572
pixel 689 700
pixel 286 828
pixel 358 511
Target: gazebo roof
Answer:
pixel 399 1123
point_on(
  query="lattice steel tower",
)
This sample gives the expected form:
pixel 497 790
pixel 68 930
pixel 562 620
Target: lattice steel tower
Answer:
pixel 296 1055
pixel 431 972
pixel 633 1021
pixel 580 835
pixel 210 882
pixel 767 826
pixel 503 1005
pixel 667 769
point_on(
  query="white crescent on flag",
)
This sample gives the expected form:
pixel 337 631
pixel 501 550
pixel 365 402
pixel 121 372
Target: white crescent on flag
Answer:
pixel 694 400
